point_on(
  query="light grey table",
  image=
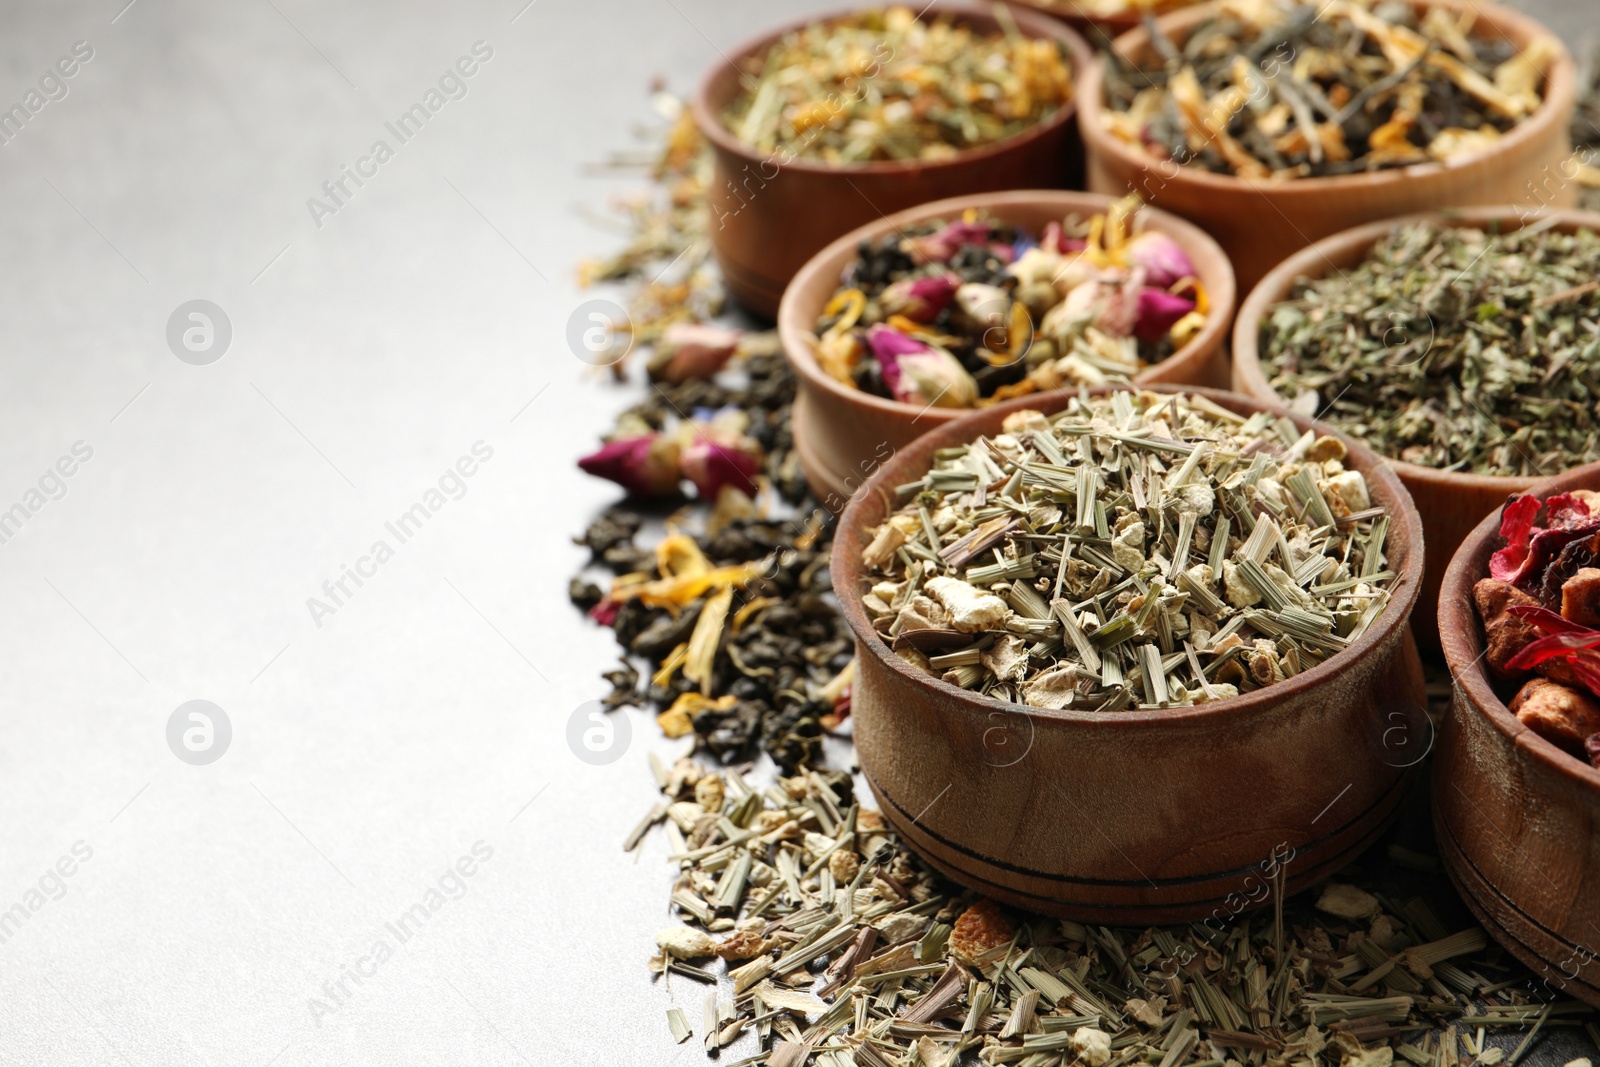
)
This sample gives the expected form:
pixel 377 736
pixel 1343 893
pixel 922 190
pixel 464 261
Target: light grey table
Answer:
pixel 396 858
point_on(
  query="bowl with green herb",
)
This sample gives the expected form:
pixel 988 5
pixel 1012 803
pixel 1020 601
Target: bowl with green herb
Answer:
pixel 836 120
pixel 1460 346
pixel 1516 778
pixel 1274 123
pixel 910 321
pixel 1084 619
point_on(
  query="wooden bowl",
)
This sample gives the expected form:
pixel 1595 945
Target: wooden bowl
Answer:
pixel 1260 223
pixel 842 434
pixel 1099 30
pixel 1517 819
pixel 769 216
pixel 1138 817
pixel 1451 504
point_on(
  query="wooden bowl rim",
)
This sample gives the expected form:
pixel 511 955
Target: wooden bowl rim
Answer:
pixel 796 330
pixel 1555 108
pixel 1032 24
pixel 1460 632
pixel 1276 283
pixel 845 564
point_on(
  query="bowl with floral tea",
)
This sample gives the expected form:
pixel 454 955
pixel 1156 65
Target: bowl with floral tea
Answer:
pixel 837 120
pixel 910 321
pixel 1082 619
pixel 1274 123
pixel 1516 780
pixel 1460 346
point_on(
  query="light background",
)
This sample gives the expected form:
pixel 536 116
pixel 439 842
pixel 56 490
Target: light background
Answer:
pixel 368 354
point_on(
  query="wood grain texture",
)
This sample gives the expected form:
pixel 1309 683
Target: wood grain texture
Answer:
pixel 771 211
pixel 1517 819
pixel 1261 223
pixel 1451 504
pixel 843 434
pixel 1140 816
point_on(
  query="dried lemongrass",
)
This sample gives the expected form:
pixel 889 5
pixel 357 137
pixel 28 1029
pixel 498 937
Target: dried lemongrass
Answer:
pixel 893 965
pixel 1136 550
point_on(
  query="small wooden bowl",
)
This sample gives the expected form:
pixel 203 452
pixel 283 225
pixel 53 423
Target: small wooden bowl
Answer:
pixel 768 217
pixel 1517 819
pixel 1260 223
pixel 1138 817
pixel 1099 30
pixel 842 434
pixel 1451 504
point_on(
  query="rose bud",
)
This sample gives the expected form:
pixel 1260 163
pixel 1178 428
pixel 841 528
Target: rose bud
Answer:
pixel 692 350
pixel 712 461
pixel 985 305
pixel 645 466
pixel 919 299
pixel 940 247
pixel 1055 239
pixel 1165 263
pixel 1159 311
pixel 1107 302
pixel 917 374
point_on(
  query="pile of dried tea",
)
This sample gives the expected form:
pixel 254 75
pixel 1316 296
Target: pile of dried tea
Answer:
pixel 950 312
pixel 1452 348
pixel 805 922
pixel 1135 550
pixel 1277 89
pixel 1540 608
pixel 892 85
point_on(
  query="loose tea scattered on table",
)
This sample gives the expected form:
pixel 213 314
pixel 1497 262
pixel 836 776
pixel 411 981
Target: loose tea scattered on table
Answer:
pixel 1452 348
pixel 951 313
pixel 1270 89
pixel 1540 608
pixel 891 85
pixel 839 947
pixel 1135 550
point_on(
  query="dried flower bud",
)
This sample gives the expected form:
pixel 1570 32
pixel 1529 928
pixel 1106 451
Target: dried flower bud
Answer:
pixel 917 374
pixel 919 299
pixel 712 461
pixel 692 350
pixel 1164 261
pixel 646 466
pixel 942 246
pixel 1159 312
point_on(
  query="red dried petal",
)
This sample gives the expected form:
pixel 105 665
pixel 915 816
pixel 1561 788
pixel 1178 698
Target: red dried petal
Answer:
pixel 1556 646
pixel 1516 526
pixel 1547 621
pixel 1565 511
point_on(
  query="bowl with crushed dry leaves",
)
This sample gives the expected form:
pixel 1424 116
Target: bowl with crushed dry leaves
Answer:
pixel 1116 647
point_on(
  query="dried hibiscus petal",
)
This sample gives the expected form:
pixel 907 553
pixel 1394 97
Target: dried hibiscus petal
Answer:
pixel 1547 621
pixel 1552 647
pixel 1516 526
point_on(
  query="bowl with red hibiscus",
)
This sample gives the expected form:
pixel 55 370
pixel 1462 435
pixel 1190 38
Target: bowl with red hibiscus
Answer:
pixel 914 320
pixel 1516 779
